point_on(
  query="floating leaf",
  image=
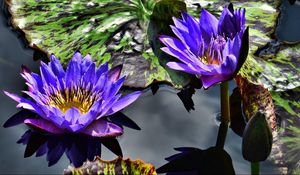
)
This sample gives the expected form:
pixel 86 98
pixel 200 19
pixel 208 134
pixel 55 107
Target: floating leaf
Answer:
pixel 273 66
pixel 288 110
pixel 114 167
pixel 254 98
pixel 257 139
pixel 114 31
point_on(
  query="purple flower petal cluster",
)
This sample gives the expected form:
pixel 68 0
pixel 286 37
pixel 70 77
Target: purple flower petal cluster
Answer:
pixel 212 49
pixel 75 100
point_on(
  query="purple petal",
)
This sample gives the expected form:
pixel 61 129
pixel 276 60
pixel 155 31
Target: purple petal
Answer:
pixel 44 125
pixel 179 55
pixel 125 101
pixel 180 24
pixel 88 57
pixel 210 80
pixel 103 68
pixel 48 76
pixel 116 86
pixel 77 57
pixel 193 28
pixel 91 115
pixel 103 128
pixel 107 105
pixel 75 128
pixel 183 67
pixel 106 90
pixel 56 67
pixel 100 84
pixel 236 46
pixel 226 24
pixel 56 116
pixel 114 73
pixel 86 63
pixel 39 82
pixel 229 65
pixel 177 49
pixel 26 104
pixel 89 75
pixel 72 115
pixel 193 43
pixel 208 25
pixel 73 74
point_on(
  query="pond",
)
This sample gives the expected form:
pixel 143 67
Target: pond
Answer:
pixel 164 121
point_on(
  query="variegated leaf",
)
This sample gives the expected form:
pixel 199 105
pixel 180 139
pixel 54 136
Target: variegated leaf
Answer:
pixel 115 167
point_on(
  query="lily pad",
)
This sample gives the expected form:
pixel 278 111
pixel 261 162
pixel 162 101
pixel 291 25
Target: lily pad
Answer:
pixel 288 110
pixel 255 98
pixel 114 167
pixel 274 68
pixel 110 30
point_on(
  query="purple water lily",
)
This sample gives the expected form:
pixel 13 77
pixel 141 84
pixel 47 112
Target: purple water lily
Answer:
pixel 76 100
pixel 212 49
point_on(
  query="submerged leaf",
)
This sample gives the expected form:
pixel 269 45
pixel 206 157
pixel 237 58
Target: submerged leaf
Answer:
pixel 114 167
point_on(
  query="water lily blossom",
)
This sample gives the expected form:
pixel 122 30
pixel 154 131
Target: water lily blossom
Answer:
pixel 214 50
pixel 75 100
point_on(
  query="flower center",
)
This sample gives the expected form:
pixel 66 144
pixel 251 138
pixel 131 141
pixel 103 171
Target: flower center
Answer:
pixel 79 98
pixel 212 54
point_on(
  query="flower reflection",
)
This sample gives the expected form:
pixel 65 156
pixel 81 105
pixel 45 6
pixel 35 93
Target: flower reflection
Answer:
pixel 78 148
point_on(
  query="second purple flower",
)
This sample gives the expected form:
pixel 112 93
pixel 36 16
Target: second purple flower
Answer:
pixel 212 49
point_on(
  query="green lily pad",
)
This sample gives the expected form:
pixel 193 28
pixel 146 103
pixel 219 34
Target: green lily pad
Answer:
pixel 114 167
pixel 110 30
pixel 288 110
pixel 272 65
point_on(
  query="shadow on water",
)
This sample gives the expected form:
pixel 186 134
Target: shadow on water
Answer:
pixel 164 121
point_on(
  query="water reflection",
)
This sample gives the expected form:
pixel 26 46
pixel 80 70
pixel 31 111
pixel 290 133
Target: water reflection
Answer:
pixel 77 147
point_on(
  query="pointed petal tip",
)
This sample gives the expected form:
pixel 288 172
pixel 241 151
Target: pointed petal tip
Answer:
pixel 53 57
pixel 13 96
pixel 25 69
pixel 115 72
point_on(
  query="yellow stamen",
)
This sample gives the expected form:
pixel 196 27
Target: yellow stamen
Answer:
pixel 76 97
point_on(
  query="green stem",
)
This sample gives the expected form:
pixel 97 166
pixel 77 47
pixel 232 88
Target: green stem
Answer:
pixel 225 115
pixel 225 111
pixel 255 168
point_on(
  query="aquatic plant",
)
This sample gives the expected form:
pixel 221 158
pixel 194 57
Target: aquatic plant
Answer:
pixel 77 100
pixel 212 49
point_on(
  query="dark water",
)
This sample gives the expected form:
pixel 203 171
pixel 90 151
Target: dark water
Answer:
pixel 164 121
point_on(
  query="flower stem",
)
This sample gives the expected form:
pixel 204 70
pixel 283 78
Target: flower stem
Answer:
pixel 225 111
pixel 225 115
pixel 255 168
